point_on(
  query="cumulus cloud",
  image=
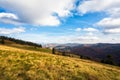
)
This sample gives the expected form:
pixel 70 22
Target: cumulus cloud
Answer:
pixel 97 5
pixel 112 31
pixel 45 38
pixel 8 15
pixel 110 24
pixel 86 38
pixel 9 18
pixel 39 12
pixel 114 12
pixel 7 31
pixel 90 29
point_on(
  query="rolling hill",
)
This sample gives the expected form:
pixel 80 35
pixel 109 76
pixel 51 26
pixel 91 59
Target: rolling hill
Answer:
pixel 23 62
pixel 101 52
pixel 12 42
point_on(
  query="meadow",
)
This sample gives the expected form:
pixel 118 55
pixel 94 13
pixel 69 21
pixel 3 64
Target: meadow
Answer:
pixel 24 64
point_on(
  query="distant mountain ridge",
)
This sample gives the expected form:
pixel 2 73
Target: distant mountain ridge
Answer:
pixel 98 52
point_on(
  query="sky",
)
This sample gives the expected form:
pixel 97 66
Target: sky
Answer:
pixel 61 21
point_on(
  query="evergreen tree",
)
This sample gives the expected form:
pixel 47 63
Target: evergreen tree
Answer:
pixel 53 50
pixel 108 60
pixel 2 40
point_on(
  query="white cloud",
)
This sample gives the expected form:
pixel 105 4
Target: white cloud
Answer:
pixel 45 38
pixel 112 31
pixel 110 24
pixel 73 38
pixel 90 29
pixel 114 12
pixel 9 18
pixel 86 38
pixel 39 12
pixel 97 5
pixel 78 29
pixel 7 31
pixel 8 15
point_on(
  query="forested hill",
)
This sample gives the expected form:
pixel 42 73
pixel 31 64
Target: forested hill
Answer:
pixel 5 40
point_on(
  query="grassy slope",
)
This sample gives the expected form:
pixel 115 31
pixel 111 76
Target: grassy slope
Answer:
pixel 21 64
pixel 26 47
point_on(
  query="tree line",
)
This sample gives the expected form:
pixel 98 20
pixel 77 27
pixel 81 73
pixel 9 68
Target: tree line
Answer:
pixel 107 60
pixel 18 41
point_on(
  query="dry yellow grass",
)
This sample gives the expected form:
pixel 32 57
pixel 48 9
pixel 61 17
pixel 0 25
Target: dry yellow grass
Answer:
pixel 21 64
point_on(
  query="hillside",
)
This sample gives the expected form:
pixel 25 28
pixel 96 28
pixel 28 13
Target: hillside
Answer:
pixel 3 40
pixel 102 52
pixel 21 64
pixel 12 42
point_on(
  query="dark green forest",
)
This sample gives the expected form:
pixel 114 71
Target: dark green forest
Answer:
pixel 18 41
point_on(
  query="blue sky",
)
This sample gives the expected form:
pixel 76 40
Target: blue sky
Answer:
pixel 61 21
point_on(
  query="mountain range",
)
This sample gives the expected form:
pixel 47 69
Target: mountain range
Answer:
pixel 101 52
